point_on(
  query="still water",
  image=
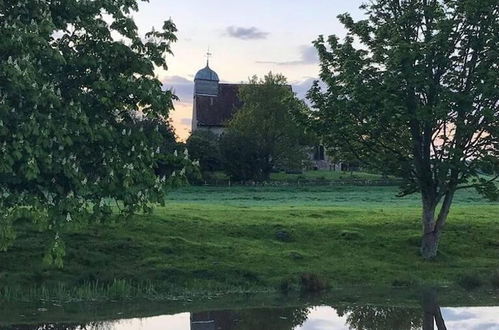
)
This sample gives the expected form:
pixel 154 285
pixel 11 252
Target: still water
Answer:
pixel 428 315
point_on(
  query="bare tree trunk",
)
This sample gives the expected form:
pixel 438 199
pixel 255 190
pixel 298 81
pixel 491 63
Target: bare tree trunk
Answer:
pixel 432 228
pixel 429 242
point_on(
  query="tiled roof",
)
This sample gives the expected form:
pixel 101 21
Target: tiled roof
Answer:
pixel 216 111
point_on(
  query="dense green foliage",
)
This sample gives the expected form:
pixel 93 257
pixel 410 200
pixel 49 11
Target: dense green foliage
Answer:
pixel 418 98
pixel 263 135
pixel 225 238
pixel 204 147
pixel 76 80
pixel 172 155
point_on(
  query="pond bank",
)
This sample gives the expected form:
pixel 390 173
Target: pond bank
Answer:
pixel 213 240
pixel 390 305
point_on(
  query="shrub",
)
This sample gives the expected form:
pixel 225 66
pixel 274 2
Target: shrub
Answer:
pixel 470 281
pixel 313 283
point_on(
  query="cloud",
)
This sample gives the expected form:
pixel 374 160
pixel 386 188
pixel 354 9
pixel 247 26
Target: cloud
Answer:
pixel 308 55
pixel 182 87
pixel 455 314
pixel 479 318
pixel 302 87
pixel 251 33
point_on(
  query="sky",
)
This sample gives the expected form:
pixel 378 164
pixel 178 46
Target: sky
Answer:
pixel 246 38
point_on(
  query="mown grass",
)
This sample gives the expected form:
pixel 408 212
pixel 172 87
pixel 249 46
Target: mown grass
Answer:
pixel 246 239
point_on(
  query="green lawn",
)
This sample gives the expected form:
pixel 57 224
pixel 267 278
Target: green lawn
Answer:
pixel 219 239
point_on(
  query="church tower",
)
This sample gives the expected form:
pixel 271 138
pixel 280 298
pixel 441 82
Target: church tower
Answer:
pixel 206 84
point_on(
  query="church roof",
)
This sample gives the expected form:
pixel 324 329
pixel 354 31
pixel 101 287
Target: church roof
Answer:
pixel 206 74
pixel 216 111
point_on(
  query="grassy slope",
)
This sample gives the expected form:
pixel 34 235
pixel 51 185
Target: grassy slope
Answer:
pixel 216 239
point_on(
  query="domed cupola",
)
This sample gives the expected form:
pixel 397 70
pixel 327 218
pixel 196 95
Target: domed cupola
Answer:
pixel 206 74
pixel 206 82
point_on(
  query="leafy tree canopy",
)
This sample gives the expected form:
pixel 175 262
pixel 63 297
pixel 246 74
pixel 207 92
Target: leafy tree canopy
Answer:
pixel 76 77
pixel 263 135
pixel 414 90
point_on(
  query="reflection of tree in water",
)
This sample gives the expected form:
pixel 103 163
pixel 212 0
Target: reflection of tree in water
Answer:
pixel 381 317
pixel 66 326
pixel 278 319
pixel 367 317
pixel 431 311
pixel 262 319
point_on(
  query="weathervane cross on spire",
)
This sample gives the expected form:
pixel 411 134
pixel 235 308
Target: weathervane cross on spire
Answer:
pixel 208 55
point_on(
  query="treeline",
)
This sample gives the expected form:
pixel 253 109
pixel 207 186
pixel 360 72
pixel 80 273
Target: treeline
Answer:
pixel 262 137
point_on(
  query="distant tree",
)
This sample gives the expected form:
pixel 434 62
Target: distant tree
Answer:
pixel 263 135
pixel 414 89
pixel 204 147
pixel 75 75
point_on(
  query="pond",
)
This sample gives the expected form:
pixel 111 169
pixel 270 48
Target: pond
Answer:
pixel 426 314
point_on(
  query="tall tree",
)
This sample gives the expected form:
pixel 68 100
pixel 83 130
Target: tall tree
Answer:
pixel 414 88
pixel 263 135
pixel 75 77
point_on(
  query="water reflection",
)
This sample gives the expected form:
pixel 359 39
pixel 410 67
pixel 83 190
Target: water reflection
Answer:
pixel 264 319
pixel 379 317
pixel 66 326
pixel 383 317
pixel 429 316
pixel 431 312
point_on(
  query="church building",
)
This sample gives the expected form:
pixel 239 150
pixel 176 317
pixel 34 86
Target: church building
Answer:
pixel 214 103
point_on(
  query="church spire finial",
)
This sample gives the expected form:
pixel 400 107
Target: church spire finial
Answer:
pixel 208 55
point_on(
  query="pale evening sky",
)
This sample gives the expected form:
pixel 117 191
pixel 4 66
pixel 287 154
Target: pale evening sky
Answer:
pixel 245 37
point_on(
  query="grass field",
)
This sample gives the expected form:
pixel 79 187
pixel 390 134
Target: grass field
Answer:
pixel 230 239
